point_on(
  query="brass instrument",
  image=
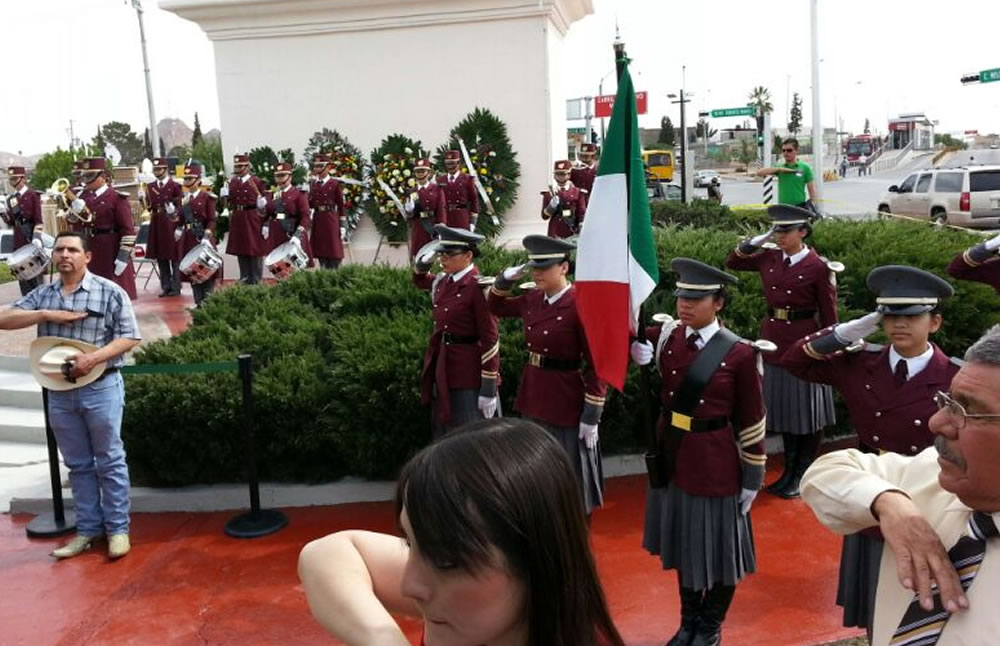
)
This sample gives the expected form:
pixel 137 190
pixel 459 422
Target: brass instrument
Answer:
pixel 62 187
pixel 146 215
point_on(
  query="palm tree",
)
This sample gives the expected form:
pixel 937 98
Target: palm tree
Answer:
pixel 760 98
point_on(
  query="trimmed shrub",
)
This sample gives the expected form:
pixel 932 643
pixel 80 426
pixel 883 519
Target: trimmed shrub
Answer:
pixel 5 275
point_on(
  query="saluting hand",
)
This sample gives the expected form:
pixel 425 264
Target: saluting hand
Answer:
pixel 757 241
pixel 993 243
pixel 859 328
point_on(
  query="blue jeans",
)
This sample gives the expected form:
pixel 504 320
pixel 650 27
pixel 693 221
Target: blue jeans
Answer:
pixel 87 423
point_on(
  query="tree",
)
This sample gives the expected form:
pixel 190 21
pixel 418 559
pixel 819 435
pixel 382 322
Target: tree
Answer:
pixel 209 154
pixel 947 141
pixel 196 137
pixel 760 98
pixel 181 152
pixel 98 142
pixel 163 146
pixel 50 167
pixel 868 126
pixel 777 143
pixel 147 145
pixel 702 129
pixel 128 143
pixel 795 117
pixel 666 132
pixel 747 152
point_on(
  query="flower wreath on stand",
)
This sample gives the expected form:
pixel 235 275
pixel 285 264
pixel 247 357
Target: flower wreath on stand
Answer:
pixel 347 163
pixel 392 164
pixel 495 162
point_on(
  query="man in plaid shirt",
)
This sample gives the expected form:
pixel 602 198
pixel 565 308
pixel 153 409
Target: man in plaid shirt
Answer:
pixel 87 421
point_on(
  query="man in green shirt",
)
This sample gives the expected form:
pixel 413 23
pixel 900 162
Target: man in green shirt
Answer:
pixel 794 177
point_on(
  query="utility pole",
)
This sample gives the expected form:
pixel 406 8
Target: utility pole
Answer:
pixel 684 159
pixel 154 138
pixel 817 129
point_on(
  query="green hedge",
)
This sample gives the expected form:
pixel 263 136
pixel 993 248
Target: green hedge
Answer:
pixel 5 275
pixel 338 354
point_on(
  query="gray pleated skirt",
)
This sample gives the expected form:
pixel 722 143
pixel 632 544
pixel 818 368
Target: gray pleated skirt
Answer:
pixel 464 409
pixel 860 560
pixel 706 539
pixel 795 406
pixel 586 463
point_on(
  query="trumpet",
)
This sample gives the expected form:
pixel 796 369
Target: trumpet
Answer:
pixel 62 187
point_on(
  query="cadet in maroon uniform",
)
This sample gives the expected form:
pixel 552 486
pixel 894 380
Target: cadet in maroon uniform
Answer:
pixel 329 222
pixel 890 393
pixel 711 433
pixel 460 193
pixel 980 263
pixel 462 363
pixel 22 211
pixel 162 198
pixel 801 293
pixel 111 228
pixel 195 224
pixel 425 207
pixel 584 173
pixel 563 204
pixel 245 194
pixel 559 389
pixel 288 212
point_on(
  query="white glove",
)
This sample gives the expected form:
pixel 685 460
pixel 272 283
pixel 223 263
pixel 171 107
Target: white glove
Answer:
pixel 409 206
pixel 472 227
pixel 261 202
pixel 78 206
pixel 224 191
pixel 642 352
pixel 170 208
pixel 762 238
pixel 513 273
pixel 265 231
pixel 120 267
pixel 747 497
pixel 343 234
pixel 554 202
pixel 37 240
pixel 487 406
pixel 142 194
pixel 207 239
pixel 178 234
pixel 993 243
pixel 305 187
pixel 588 433
pixel 858 328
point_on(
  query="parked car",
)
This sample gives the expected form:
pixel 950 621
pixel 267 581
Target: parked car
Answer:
pixel 968 197
pixel 663 191
pixel 703 178
pixel 6 244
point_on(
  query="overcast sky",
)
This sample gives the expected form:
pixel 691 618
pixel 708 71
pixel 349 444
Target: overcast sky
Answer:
pixel 81 60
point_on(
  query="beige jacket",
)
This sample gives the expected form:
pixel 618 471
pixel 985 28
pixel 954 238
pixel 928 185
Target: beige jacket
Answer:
pixel 840 487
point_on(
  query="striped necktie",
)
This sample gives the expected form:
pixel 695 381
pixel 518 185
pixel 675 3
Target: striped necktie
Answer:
pixel 921 627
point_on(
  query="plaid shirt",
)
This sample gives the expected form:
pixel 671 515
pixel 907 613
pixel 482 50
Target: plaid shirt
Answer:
pixel 111 316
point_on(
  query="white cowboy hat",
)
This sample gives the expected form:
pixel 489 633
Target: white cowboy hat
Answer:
pixel 49 354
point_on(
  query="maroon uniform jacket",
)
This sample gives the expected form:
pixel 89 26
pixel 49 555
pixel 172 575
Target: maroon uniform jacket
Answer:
pixel 161 244
pixel 571 199
pixel 295 207
pixel 886 417
pixel 965 268
pixel 556 397
pixel 112 221
pixel 200 224
pixel 24 213
pixel 465 346
pixel 805 286
pixel 719 462
pixel 583 177
pixel 460 199
pixel 244 220
pixel 327 198
pixel 431 209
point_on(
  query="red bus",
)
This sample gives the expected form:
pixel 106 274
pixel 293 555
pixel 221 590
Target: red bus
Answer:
pixel 866 145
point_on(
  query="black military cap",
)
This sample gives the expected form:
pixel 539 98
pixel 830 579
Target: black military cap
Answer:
pixel 697 280
pixel 787 217
pixel 544 251
pixel 450 239
pixel 905 291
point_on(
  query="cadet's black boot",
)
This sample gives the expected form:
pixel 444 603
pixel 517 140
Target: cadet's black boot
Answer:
pixel 713 613
pixel 791 450
pixel 691 601
pixel 808 448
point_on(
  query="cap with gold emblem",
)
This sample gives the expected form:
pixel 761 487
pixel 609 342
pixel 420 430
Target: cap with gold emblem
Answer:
pixel 451 239
pixel 696 279
pixel 906 291
pixel 544 251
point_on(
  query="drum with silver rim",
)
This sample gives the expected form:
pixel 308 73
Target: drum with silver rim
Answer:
pixel 286 259
pixel 201 263
pixel 28 262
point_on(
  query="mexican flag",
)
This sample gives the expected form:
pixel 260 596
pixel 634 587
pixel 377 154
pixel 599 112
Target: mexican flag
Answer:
pixel 616 267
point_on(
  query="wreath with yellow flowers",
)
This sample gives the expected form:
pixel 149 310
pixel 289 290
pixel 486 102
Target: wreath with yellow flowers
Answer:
pixel 392 165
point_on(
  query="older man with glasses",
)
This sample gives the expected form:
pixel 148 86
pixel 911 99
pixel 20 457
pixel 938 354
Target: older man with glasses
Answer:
pixel 795 178
pixel 938 511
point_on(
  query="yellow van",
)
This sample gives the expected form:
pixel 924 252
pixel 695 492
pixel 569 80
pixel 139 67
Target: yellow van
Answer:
pixel 659 164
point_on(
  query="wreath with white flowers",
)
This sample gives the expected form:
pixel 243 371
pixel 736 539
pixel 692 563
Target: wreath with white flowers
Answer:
pixel 392 164
pixel 347 162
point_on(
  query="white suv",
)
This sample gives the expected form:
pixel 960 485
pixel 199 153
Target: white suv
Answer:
pixel 968 197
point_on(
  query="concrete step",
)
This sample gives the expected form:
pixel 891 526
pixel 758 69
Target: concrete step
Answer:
pixel 19 390
pixel 25 425
pixel 14 364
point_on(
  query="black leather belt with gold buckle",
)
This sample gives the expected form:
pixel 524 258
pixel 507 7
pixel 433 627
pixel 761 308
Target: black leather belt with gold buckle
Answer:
pixel 788 314
pixel 697 425
pixel 551 363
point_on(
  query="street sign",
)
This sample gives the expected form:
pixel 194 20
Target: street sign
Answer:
pixel 988 76
pixel 747 111
pixel 702 114
pixel 604 104
pixel 576 131
pixel 574 110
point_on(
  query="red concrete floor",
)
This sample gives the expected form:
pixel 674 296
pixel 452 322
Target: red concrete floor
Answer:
pixel 186 582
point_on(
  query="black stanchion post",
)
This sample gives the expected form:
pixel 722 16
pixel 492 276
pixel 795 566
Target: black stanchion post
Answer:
pixel 60 521
pixel 256 522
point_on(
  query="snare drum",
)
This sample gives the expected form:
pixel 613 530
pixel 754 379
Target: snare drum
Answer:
pixel 285 260
pixel 28 262
pixel 201 263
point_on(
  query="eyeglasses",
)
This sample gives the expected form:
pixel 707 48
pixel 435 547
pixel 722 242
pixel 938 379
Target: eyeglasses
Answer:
pixel 787 150
pixel 957 412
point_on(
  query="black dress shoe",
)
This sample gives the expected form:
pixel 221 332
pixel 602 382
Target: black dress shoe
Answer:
pixel 685 635
pixel 163 293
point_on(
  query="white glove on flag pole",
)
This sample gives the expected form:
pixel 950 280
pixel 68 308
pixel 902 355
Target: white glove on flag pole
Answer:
pixel 616 268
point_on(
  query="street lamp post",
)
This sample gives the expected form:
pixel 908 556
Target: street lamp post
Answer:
pixel 683 98
pixel 154 139
pixel 817 130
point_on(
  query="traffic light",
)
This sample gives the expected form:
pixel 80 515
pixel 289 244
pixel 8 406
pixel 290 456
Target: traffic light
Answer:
pixel 760 139
pixel 970 78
